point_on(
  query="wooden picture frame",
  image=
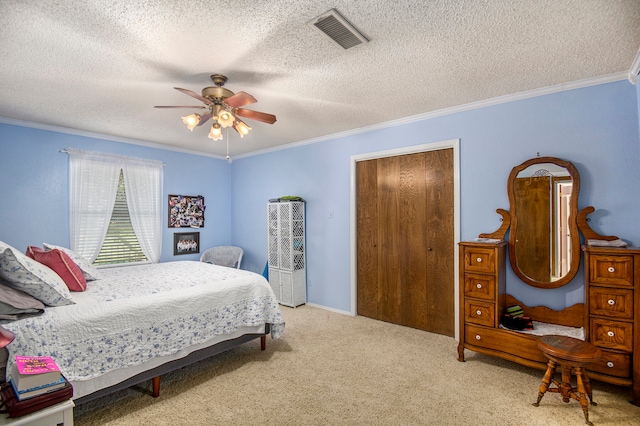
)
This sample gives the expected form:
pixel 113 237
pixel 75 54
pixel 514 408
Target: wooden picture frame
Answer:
pixel 186 211
pixel 186 243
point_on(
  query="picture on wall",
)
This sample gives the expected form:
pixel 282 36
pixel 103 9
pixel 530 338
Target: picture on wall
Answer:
pixel 186 243
pixel 186 211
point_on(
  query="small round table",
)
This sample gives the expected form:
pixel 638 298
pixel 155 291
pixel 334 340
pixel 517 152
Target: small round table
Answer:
pixel 573 355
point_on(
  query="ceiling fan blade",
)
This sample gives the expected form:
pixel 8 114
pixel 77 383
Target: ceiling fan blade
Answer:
pixel 180 106
pixel 256 115
pixel 194 95
pixel 204 118
pixel 240 99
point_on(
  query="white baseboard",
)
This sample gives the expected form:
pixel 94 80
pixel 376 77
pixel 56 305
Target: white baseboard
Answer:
pixel 326 308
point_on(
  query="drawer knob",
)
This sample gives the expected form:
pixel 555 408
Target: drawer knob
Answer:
pixel 611 302
pixel 479 259
pixel 610 333
pixel 479 285
pixel 478 337
pixel 478 312
pixel 611 269
pixel 610 364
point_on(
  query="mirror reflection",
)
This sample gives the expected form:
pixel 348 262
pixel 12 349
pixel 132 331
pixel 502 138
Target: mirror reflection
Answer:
pixel 544 240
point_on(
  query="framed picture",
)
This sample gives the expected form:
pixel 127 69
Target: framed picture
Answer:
pixel 186 211
pixel 186 243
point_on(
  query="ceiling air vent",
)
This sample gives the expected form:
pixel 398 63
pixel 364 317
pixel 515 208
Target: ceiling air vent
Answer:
pixel 338 29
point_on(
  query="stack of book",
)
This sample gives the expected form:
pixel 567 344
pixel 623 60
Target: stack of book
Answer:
pixel 35 375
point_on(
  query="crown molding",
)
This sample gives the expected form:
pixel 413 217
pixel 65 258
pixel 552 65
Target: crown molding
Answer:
pixel 635 69
pixel 83 133
pixel 406 120
pixel 453 110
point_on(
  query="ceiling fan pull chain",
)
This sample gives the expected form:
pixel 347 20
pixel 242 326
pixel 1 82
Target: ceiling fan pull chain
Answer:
pixel 229 160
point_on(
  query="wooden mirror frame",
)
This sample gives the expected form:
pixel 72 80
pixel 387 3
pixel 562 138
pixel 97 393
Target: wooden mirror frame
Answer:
pixel 572 219
pixel 577 221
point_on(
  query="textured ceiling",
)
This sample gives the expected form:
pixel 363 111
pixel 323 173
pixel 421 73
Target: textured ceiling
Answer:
pixel 101 66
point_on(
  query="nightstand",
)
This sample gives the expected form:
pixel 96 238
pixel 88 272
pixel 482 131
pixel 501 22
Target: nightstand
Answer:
pixel 61 413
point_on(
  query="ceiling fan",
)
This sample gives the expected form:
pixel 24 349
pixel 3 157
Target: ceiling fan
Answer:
pixel 224 107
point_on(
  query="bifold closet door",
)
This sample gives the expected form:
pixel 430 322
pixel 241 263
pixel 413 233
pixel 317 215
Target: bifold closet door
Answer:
pixel 405 240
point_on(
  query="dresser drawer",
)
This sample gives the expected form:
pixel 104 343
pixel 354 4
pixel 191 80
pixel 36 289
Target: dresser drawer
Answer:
pixel 480 286
pixel 511 342
pixel 612 334
pixel 479 313
pixel 616 270
pixel 611 302
pixel 612 364
pixel 478 259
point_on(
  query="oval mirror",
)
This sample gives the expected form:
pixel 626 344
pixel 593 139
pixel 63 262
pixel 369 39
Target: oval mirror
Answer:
pixel 544 244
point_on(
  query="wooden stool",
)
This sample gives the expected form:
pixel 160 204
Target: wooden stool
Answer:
pixel 572 354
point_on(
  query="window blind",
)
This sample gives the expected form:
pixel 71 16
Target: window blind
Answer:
pixel 120 244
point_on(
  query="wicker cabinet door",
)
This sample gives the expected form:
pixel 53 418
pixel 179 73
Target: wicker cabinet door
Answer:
pixel 287 251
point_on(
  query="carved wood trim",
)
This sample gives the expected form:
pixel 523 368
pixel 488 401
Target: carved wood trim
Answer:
pixel 502 231
pixel 573 316
pixel 587 232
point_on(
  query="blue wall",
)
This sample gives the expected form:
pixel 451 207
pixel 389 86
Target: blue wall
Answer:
pixel 596 128
pixel 34 182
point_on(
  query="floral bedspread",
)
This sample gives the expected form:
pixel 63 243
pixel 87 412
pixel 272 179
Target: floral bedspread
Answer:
pixel 135 313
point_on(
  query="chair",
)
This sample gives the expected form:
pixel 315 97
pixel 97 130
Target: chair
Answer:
pixel 572 355
pixel 229 256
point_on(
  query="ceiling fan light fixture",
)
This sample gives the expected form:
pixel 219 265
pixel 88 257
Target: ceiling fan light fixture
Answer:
pixel 216 132
pixel 224 108
pixel 241 127
pixel 225 118
pixel 191 120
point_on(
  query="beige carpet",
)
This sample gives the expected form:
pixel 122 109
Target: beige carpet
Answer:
pixel 333 369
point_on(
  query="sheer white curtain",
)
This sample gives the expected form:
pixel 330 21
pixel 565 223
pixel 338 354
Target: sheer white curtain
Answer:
pixel 93 184
pixel 143 183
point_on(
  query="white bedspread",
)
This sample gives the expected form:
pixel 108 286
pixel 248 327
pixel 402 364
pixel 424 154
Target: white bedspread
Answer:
pixel 135 313
pixel 543 329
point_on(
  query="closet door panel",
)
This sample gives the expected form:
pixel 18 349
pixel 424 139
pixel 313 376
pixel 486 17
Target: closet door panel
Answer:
pixel 412 252
pixel 440 261
pixel 390 239
pixel 367 241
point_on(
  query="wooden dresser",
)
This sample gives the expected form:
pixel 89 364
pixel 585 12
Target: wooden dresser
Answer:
pixel 482 291
pixel 612 314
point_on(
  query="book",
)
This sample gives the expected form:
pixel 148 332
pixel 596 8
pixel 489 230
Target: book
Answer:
pixel 30 372
pixel 16 408
pixel 38 390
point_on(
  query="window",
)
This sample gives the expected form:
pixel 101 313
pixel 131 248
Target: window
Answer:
pixel 115 207
pixel 120 244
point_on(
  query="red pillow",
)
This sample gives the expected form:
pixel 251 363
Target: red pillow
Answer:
pixel 62 264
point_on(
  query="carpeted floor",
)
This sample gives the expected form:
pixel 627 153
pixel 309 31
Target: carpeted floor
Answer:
pixel 334 369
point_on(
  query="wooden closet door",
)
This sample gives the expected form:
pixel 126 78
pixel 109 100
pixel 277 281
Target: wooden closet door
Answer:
pixel 405 272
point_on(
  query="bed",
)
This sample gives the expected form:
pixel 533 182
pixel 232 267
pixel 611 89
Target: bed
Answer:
pixel 135 323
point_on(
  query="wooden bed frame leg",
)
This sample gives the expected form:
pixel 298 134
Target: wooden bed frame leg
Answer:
pixel 156 386
pixel 263 342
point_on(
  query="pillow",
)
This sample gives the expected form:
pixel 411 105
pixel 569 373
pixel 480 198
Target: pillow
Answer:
pixel 62 264
pixel 15 304
pixel 88 270
pixel 33 278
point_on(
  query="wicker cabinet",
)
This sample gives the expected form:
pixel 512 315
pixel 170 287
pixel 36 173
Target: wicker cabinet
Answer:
pixel 612 317
pixel 286 245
